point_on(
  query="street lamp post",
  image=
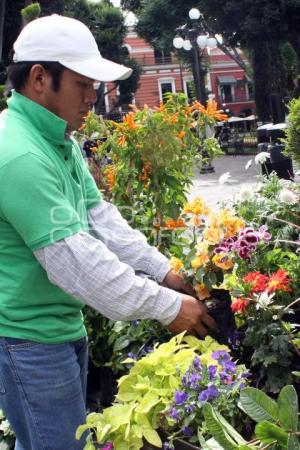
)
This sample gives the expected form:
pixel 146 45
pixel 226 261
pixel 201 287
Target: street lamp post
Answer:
pixel 194 36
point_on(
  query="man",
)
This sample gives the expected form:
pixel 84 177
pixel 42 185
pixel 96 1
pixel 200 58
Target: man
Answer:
pixel 61 245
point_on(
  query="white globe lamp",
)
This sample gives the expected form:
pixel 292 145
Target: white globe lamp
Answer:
pixel 178 42
pixel 194 14
pixel 202 41
pixel 187 45
pixel 211 42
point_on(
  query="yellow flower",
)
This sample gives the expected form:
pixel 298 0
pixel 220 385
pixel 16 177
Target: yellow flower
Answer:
pixel 202 291
pixel 202 257
pixel 213 235
pixel 222 261
pixel 176 264
pixel 231 223
pixel 196 206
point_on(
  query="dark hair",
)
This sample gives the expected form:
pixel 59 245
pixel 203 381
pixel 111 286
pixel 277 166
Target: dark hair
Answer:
pixel 18 73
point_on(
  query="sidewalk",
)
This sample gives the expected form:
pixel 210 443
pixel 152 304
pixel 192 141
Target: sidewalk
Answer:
pixel 207 187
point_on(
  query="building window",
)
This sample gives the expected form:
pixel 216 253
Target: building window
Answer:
pixel 250 91
pixel 189 88
pixel 164 87
pixel 162 56
pixel 226 93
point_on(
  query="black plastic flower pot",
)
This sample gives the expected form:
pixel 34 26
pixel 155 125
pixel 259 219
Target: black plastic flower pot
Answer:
pixel 179 444
pixel 219 308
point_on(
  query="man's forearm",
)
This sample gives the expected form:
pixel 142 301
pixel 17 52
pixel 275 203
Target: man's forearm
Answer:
pixel 83 267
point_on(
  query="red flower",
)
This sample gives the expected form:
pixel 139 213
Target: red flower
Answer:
pixel 278 281
pixel 257 280
pixel 239 305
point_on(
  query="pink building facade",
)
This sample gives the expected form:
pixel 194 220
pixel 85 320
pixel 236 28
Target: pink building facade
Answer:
pixel 226 81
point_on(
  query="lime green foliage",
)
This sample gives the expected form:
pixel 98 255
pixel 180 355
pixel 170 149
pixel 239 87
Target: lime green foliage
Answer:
pixel 3 99
pixel 293 132
pixel 277 422
pixel 146 392
pixel 31 12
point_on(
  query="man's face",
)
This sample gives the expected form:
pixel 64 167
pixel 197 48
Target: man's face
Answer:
pixel 73 100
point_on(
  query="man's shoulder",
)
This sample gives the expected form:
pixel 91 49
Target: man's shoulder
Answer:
pixel 16 141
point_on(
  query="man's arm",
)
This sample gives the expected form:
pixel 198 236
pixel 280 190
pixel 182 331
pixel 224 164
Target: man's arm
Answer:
pixel 87 270
pixel 131 247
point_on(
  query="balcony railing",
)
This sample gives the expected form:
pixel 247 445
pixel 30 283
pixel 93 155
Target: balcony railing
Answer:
pixel 150 60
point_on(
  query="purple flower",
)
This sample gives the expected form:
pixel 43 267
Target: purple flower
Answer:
pixel 191 380
pixel 108 446
pixel 132 355
pixel 189 408
pixel 187 431
pixel 168 446
pixel 197 363
pixel 264 234
pixel 230 367
pixel 208 394
pixel 226 378
pixel 175 414
pixel 221 356
pixel 212 370
pixel 180 397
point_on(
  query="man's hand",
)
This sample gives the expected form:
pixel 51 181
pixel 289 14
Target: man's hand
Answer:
pixel 193 318
pixel 174 281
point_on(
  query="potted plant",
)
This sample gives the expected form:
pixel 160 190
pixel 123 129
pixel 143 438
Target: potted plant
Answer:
pixel 167 389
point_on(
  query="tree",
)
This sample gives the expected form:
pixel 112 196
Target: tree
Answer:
pixel 105 21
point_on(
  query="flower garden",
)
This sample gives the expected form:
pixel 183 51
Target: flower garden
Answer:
pixel 238 389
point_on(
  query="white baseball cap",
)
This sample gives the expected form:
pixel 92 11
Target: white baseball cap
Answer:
pixel 69 42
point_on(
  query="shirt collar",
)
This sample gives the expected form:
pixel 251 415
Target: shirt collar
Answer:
pixel 48 124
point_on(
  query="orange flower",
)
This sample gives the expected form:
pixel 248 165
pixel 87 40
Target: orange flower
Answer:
pixel 129 121
pixel 257 280
pixel 170 223
pixel 202 291
pixel 182 134
pixel 210 111
pixel 122 141
pixel 146 172
pixel 110 174
pixel 278 281
pixel 239 305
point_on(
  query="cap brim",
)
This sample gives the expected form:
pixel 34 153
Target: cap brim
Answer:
pixel 99 69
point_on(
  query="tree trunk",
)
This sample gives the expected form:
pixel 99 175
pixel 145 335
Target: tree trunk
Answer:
pixel 2 14
pixel 269 76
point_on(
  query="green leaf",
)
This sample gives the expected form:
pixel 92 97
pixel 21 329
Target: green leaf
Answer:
pixel 81 429
pixel 288 408
pixel 268 432
pixel 215 428
pixel 258 405
pixel 152 437
pixel 293 443
pixel 229 430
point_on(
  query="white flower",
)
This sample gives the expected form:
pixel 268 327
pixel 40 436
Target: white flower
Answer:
pixel 249 164
pixel 246 193
pixel 224 178
pixel 95 135
pixel 261 157
pixel 288 196
pixel 264 300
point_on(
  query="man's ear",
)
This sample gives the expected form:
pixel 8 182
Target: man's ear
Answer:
pixel 39 78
